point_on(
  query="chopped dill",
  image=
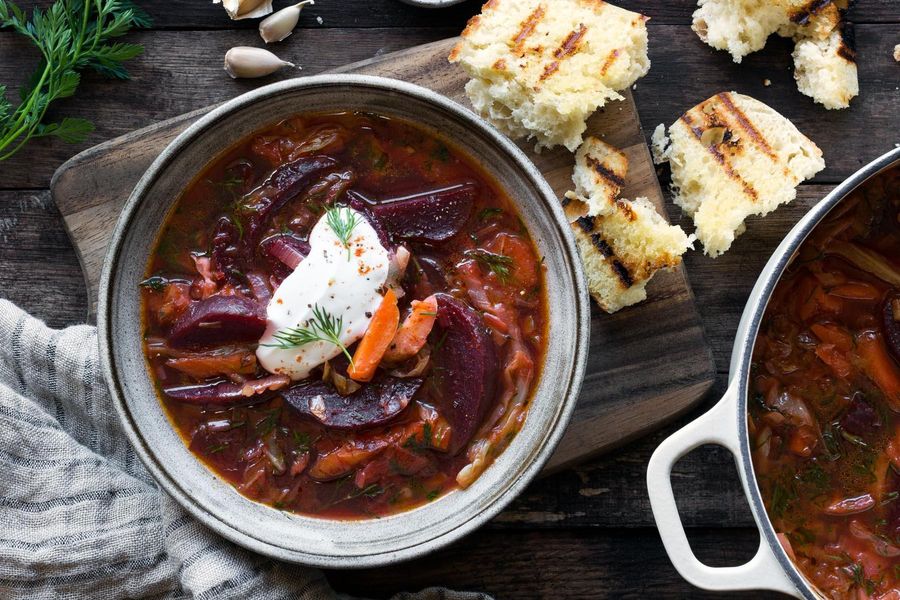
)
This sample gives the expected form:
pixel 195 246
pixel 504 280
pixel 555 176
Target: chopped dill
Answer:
pixel 342 222
pixel 498 264
pixel 322 327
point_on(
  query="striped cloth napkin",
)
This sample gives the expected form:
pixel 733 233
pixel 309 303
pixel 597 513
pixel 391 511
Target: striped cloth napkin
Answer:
pixel 80 517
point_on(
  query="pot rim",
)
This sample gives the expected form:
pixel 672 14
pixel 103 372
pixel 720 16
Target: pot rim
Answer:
pixel 745 341
pixel 538 453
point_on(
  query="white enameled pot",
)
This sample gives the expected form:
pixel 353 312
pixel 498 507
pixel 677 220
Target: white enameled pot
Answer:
pixel 726 425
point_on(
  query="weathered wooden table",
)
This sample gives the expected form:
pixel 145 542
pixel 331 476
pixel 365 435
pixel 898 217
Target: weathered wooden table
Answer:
pixel 586 532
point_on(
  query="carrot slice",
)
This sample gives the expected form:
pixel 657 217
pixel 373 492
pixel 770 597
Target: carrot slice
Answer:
pixel 856 290
pixel 835 359
pixel 831 333
pixel 414 331
pixel 880 367
pixel 378 337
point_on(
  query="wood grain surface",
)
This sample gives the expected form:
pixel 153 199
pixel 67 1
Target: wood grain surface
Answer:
pixel 626 393
pixel 585 532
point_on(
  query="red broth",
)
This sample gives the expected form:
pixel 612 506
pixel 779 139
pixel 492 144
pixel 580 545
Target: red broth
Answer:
pixel 825 399
pixel 216 252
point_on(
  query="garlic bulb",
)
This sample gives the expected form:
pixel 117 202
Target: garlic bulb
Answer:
pixel 244 61
pixel 245 9
pixel 278 26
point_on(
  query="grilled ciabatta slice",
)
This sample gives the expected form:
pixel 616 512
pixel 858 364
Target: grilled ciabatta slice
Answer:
pixel 599 175
pixel 824 59
pixel 622 243
pixel 825 69
pixel 540 68
pixel 733 157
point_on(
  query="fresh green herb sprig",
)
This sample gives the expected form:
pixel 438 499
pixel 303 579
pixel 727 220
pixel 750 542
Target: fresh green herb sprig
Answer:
pixel 72 35
pixel 322 327
pixel 342 222
pixel 499 264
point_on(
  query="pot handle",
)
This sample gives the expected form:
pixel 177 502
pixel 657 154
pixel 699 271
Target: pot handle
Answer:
pixel 718 426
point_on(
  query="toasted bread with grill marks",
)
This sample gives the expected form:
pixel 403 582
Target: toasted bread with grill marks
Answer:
pixel 743 26
pixel 623 249
pixel 732 157
pixel 825 69
pixel 540 68
pixel 599 175
pixel 622 243
pixel 824 60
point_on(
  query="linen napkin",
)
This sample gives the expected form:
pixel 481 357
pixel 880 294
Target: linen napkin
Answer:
pixel 80 517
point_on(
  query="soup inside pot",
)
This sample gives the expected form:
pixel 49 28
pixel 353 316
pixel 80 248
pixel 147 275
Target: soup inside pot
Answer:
pixel 824 403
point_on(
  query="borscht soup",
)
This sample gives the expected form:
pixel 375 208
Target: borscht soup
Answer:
pixel 345 316
pixel 824 416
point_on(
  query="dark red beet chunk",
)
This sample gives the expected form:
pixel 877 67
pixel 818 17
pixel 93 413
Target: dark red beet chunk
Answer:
pixel 465 367
pixel 208 393
pixel 360 203
pixel 376 403
pixel 892 323
pixel 228 392
pixel 860 418
pixel 433 216
pixel 218 320
pixel 286 182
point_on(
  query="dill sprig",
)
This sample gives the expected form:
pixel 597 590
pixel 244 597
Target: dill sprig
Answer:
pixel 322 327
pixel 342 222
pixel 71 35
pixel 498 264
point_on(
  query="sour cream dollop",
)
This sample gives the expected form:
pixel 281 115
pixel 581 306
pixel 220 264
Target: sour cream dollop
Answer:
pixel 339 281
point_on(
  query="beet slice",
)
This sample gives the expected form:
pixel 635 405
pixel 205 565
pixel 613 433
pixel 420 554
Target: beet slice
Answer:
pixel 285 182
pixel 860 418
pixel 891 323
pixel 228 392
pixel 432 216
pixel 465 366
pixel 360 203
pixel 376 403
pixel 224 392
pixel 218 320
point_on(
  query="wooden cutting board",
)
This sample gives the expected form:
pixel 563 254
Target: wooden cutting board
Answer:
pixel 648 363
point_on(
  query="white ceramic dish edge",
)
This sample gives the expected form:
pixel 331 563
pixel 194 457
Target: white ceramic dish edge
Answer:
pixel 125 373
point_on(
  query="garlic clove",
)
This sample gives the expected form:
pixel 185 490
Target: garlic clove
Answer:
pixel 244 61
pixel 278 26
pixel 245 9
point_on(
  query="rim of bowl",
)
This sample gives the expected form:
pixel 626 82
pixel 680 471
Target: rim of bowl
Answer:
pixel 517 480
pixel 749 331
